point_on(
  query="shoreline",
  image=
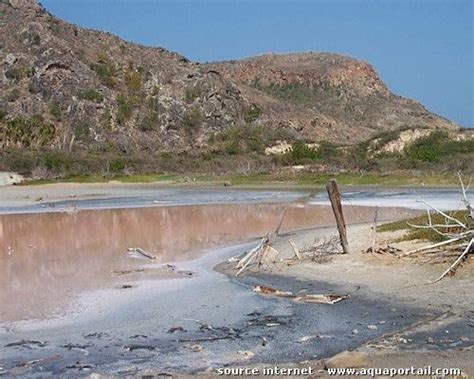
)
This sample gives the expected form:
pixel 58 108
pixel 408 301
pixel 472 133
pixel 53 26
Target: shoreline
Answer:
pixel 443 337
pixel 69 196
pixel 225 323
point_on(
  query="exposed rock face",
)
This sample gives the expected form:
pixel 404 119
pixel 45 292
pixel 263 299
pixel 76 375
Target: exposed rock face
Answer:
pixel 325 96
pixel 65 87
pixel 94 90
pixel 9 178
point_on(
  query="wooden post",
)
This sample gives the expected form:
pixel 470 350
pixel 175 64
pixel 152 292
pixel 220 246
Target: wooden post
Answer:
pixel 335 198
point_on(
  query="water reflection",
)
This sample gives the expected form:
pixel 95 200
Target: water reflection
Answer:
pixel 46 259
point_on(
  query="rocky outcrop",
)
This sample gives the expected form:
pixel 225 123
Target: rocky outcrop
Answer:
pixel 68 88
pixel 91 90
pixel 326 96
pixel 10 178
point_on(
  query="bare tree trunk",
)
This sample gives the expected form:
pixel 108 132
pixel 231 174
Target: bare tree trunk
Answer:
pixel 335 198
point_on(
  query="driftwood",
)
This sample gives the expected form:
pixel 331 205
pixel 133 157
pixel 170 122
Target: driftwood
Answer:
pixel 269 255
pixel 457 261
pixel 310 298
pixel 321 299
pixel 454 229
pixel 439 244
pixel 247 259
pixel 464 199
pixel 335 198
pixel 142 252
pixel 263 252
pixel 295 249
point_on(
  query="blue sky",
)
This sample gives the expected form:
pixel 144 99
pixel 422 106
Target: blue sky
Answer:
pixel 422 49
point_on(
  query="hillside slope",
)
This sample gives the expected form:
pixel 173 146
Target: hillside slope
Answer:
pixel 325 96
pixel 92 89
pixel 67 88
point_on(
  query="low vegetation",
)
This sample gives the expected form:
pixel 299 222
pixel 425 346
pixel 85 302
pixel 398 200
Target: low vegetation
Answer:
pixel 429 234
pixel 91 95
pixel 31 132
pixel 192 119
pixel 240 150
pixel 252 114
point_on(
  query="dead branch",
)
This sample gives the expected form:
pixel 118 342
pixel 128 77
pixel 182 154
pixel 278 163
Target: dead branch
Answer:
pixel 251 255
pixel 439 244
pixel 295 249
pixel 455 220
pixel 277 231
pixel 464 199
pixel 322 246
pixel 457 261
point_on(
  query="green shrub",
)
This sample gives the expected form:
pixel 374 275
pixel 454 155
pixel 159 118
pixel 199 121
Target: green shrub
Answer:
pixel 252 113
pixel 301 153
pixel 105 71
pixel 56 162
pixel 35 39
pixel 18 160
pixel 31 38
pixel 192 118
pixel 117 165
pixel 124 109
pixel 55 110
pixel 133 79
pixel 29 132
pixel 156 90
pixel 150 121
pixel 436 146
pixel 232 147
pixel 91 95
pixel 240 139
pixel 82 131
pixel 191 93
pixel 327 151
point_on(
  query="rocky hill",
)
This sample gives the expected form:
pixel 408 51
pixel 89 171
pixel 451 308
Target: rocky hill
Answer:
pixel 68 88
pixel 325 96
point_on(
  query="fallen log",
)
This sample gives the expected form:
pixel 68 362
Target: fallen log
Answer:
pixel 309 298
pixel 272 291
pixel 142 252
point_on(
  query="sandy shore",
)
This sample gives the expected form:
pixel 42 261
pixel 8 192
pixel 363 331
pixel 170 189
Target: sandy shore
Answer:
pixel 444 338
pixel 168 324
